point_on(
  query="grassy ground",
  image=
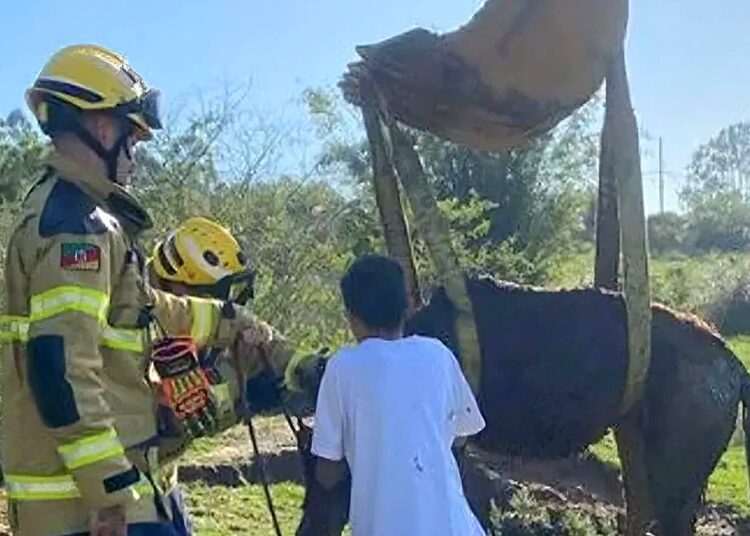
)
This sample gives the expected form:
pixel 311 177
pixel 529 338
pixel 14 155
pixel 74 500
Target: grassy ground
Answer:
pixel 218 511
pixel 682 282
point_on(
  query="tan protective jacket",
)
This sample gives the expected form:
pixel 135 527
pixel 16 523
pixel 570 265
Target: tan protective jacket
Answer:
pixel 79 426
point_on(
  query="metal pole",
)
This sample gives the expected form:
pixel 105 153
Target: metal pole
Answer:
pixel 661 176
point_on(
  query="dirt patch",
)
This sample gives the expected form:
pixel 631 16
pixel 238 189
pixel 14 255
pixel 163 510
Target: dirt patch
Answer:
pixel 582 485
pixel 719 520
pixel 4 525
pixel 284 466
pixel 584 473
pixel 234 447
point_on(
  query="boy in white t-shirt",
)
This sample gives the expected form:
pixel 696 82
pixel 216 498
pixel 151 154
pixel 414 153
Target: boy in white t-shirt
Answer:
pixel 392 407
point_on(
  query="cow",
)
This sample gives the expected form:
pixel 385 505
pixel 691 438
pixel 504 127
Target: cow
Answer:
pixel 553 373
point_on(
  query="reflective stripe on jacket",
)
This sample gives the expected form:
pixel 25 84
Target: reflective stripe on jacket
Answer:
pixel 79 416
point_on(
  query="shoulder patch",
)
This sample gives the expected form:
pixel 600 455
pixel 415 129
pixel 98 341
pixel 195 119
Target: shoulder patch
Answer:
pixel 80 256
pixel 69 210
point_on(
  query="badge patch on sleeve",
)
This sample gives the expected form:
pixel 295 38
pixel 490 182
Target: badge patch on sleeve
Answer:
pixel 80 256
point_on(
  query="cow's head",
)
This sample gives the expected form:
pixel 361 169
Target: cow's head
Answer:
pixel 301 383
pixel 437 319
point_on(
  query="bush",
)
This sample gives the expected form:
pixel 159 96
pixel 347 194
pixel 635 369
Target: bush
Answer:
pixel 666 232
pixel 730 311
pixel 715 286
pixel 719 224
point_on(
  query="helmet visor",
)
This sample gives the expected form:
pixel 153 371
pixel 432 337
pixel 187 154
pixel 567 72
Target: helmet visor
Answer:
pixel 150 108
pixel 147 107
pixel 238 288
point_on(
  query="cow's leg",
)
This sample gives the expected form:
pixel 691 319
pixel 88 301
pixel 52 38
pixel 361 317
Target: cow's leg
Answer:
pixel 631 449
pixel 678 521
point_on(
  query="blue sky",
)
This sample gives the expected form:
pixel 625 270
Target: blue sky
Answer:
pixel 689 64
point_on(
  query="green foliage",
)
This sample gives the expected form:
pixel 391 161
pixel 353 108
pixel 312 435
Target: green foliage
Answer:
pixel 526 516
pixel 719 222
pixel 717 192
pixel 20 156
pixel 729 310
pixel 720 166
pixel 702 285
pixel 537 195
pixel 513 214
pixel 477 251
pixel 299 230
pixel 666 232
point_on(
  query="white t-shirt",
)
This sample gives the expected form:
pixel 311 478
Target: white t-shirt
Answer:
pixel 393 410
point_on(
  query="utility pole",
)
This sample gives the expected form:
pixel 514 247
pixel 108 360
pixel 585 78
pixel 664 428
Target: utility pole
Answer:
pixel 661 177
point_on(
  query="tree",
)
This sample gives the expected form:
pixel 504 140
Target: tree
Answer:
pixel 534 198
pixel 220 162
pixel 720 167
pixel 20 156
pixel 717 193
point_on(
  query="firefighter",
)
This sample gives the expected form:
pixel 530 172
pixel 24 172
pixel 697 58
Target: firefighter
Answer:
pixel 201 258
pixel 80 432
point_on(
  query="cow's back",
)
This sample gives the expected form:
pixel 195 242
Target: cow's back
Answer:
pixel 554 366
pixel 553 363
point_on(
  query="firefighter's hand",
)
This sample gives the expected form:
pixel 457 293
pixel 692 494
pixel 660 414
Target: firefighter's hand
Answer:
pixel 257 335
pixel 108 522
pixel 184 387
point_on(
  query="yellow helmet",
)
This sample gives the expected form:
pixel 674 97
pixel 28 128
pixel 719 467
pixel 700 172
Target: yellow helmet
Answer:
pixel 90 78
pixel 202 254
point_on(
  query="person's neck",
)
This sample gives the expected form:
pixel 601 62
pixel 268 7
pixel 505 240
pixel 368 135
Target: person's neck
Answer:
pixel 388 335
pixel 77 151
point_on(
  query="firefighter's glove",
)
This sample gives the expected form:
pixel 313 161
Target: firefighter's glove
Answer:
pixel 184 388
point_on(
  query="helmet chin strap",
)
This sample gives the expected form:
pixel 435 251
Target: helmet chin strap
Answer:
pixel 108 156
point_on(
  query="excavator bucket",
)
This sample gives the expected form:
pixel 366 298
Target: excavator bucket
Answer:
pixel 512 73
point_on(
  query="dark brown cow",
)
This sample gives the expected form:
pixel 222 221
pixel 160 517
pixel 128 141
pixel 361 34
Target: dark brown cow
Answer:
pixel 554 366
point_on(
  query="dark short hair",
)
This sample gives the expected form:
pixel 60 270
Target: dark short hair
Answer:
pixel 374 291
